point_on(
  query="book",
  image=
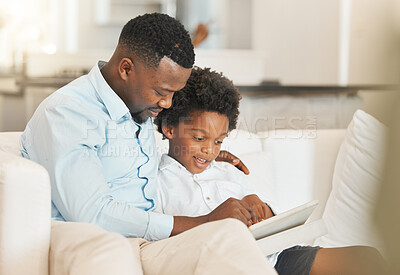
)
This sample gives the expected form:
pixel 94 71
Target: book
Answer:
pixel 288 229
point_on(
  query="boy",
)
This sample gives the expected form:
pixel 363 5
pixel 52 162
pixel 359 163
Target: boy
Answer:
pixel 193 184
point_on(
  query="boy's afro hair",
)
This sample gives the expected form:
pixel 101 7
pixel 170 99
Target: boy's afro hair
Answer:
pixel 150 37
pixel 205 91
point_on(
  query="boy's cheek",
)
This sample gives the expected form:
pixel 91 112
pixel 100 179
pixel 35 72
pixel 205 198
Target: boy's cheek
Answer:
pixel 216 151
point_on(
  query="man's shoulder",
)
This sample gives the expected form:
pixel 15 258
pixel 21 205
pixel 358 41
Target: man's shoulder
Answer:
pixel 79 89
pixel 76 95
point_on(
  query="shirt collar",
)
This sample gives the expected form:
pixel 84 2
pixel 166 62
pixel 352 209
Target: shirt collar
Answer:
pixel 113 103
pixel 169 162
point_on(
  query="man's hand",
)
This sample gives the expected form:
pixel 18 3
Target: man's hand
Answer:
pixel 228 157
pixel 260 208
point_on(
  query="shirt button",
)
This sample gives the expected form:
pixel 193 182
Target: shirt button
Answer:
pixel 208 198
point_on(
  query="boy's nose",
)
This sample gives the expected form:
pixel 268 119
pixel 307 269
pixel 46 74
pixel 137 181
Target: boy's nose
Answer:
pixel 206 149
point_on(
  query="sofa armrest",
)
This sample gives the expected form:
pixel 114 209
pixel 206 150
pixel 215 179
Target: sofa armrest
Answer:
pixel 25 214
pixel 85 248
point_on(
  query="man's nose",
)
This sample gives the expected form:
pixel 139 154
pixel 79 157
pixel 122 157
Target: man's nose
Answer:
pixel 166 101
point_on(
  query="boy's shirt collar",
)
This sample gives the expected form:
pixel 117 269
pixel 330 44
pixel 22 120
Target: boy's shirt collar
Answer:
pixel 169 162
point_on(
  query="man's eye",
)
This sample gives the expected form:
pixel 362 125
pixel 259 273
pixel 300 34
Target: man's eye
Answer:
pixel 198 138
pixel 218 142
pixel 158 93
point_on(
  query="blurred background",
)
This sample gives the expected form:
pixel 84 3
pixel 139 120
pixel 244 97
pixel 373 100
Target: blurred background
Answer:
pixel 298 63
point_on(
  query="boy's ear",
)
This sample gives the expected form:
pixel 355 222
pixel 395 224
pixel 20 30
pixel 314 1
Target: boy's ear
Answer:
pixel 168 131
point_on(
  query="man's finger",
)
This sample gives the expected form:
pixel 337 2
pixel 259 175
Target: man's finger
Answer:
pixel 228 157
pixel 240 165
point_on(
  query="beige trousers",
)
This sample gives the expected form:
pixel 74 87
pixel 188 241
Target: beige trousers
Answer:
pixel 222 247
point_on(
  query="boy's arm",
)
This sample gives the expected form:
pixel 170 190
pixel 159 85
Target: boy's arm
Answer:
pixel 231 208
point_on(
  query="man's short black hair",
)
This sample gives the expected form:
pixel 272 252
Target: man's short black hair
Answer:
pixel 205 91
pixel 150 37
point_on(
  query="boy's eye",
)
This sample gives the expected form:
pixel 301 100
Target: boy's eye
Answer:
pixel 198 138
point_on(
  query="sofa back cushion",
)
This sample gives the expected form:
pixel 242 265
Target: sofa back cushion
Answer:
pixel 9 142
pixel 356 180
pixel 302 163
pixel 241 142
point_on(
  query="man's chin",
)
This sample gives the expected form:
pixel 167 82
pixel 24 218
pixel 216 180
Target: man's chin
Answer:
pixel 140 118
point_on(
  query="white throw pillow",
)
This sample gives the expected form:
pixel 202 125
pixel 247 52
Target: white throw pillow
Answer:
pixel 356 179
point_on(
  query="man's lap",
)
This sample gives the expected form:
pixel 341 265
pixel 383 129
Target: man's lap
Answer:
pixel 221 247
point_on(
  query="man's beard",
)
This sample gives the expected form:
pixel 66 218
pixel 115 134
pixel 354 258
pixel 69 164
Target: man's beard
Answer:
pixel 139 117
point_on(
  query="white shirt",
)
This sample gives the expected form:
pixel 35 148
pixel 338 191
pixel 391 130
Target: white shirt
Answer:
pixel 181 193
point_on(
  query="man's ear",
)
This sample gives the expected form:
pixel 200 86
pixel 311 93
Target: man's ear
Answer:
pixel 125 68
pixel 168 131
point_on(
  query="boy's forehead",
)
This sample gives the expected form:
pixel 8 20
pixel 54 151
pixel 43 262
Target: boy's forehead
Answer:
pixel 207 122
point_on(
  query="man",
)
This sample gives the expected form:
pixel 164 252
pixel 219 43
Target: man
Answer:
pixel 95 138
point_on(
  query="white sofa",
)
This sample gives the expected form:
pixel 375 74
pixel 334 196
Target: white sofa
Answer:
pixel 290 166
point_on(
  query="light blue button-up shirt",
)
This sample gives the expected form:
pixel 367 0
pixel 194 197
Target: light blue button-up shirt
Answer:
pixel 100 170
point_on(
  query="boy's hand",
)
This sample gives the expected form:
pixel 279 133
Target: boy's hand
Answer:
pixel 233 208
pixel 228 157
pixel 260 208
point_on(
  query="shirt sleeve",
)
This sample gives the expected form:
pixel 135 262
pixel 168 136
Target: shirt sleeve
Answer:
pixel 80 190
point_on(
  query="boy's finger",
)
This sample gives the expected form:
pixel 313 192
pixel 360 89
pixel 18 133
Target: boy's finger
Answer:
pixel 252 212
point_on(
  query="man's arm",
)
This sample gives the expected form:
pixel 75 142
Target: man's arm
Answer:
pixel 232 159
